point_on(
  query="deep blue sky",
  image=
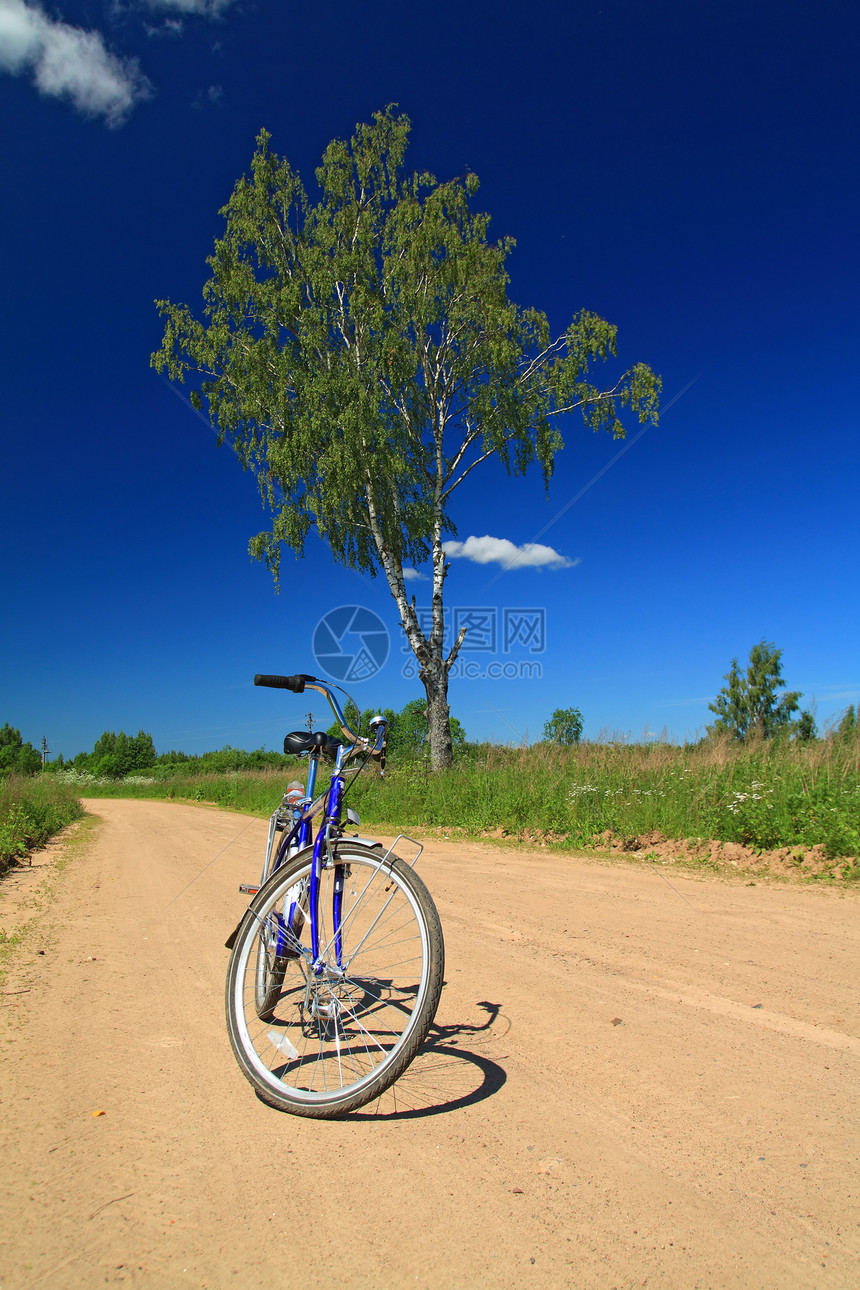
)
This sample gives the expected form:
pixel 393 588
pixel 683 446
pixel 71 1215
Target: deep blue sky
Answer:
pixel 687 169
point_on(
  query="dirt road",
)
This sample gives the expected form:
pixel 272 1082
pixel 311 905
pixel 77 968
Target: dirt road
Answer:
pixel 630 1083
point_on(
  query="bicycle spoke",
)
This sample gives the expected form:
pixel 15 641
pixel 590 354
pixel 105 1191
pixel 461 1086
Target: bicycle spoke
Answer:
pixel 329 1036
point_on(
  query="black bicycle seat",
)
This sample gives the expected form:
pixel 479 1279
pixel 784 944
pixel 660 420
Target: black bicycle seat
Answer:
pixel 300 741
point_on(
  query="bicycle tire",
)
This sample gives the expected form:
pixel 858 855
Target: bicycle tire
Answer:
pixel 335 1039
pixel 268 977
pixel 271 966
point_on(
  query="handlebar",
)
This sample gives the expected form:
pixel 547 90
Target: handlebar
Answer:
pixel 294 683
pixel 302 681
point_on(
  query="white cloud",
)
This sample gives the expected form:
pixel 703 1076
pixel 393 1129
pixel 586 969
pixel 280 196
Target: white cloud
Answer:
pixel 491 550
pixel 19 36
pixel 208 8
pixel 171 27
pixel 175 26
pixel 210 97
pixel 68 62
pixel 413 575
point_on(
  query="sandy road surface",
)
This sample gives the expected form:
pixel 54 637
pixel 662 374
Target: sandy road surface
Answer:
pixel 629 1084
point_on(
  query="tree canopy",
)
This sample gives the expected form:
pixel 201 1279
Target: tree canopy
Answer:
pixel 115 755
pixel 565 726
pixel 751 702
pixel 361 354
pixel 408 730
pixel 849 725
pixel 15 755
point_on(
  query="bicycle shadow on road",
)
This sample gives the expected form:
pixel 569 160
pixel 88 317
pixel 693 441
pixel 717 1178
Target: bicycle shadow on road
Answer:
pixel 448 1074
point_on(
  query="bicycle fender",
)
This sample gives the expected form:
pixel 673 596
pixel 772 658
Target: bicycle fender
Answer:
pixel 366 842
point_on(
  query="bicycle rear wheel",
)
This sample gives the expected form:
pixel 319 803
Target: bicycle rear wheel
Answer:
pixel 278 941
pixel 327 1041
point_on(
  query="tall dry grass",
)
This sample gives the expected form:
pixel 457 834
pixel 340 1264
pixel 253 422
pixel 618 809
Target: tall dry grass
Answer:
pixel 766 793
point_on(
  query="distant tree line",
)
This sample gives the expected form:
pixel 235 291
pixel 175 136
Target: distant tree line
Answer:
pixel 751 705
pixel 408 729
pixel 116 755
pixel 16 757
pixel 113 756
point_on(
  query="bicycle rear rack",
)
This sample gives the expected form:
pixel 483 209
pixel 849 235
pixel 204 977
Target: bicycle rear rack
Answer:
pixel 402 837
pixel 251 888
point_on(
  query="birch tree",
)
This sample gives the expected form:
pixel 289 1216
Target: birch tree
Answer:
pixel 362 356
pixel 752 703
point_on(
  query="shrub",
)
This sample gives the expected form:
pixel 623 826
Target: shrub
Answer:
pixel 31 811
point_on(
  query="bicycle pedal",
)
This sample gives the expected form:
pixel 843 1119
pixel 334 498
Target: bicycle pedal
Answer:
pixel 248 888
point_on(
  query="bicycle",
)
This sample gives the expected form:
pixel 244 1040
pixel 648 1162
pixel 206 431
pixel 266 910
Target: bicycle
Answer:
pixel 337 965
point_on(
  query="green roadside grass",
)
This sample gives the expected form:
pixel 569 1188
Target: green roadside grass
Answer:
pixel 32 809
pixel 762 795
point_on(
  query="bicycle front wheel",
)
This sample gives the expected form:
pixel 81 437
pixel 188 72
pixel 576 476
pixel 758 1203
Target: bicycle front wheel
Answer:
pixel 332 1035
pixel 269 974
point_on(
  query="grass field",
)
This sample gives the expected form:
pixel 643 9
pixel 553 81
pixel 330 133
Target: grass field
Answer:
pixel 764 795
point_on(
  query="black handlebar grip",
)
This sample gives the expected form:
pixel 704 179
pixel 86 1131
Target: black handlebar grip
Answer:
pixel 294 683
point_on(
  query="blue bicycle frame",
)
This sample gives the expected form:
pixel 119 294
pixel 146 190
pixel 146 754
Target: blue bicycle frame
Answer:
pixel 297 839
pixel 300 836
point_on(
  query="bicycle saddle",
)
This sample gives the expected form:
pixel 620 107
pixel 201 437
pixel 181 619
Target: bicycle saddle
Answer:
pixel 299 741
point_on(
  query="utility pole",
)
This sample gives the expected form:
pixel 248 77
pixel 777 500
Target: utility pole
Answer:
pixel 309 717
pixel 46 752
